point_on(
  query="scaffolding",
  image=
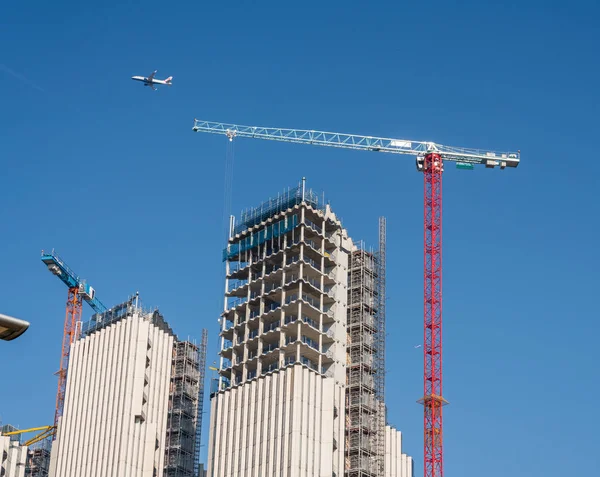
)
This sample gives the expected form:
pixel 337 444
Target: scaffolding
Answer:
pixel 38 459
pixel 380 345
pixel 123 311
pixel 365 413
pixel 289 198
pixel 202 369
pixel 184 418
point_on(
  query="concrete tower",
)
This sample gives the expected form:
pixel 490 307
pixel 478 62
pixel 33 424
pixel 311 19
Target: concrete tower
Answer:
pixel 278 408
pixel 300 387
pixel 131 403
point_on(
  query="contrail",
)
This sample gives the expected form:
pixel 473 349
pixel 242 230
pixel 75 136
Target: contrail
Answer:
pixel 5 68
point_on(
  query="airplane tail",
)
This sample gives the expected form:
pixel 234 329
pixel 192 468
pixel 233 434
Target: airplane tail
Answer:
pixel 169 80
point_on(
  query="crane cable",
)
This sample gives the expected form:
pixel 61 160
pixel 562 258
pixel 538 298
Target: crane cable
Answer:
pixel 228 187
pixel 227 200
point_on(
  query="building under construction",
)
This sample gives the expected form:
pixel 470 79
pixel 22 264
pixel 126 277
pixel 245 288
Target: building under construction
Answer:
pixel 38 459
pixel 301 379
pixel 133 401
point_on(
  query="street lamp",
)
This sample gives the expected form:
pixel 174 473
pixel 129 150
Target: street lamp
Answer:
pixel 11 328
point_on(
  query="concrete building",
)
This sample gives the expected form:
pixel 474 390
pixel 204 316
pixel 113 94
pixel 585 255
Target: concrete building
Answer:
pixel 397 463
pixel 301 374
pixel 13 455
pixel 131 403
pixel 279 406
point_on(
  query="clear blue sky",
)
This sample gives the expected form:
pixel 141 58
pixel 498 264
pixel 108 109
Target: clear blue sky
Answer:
pixel 110 174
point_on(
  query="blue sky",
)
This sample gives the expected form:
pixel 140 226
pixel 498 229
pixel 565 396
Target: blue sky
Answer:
pixel 111 175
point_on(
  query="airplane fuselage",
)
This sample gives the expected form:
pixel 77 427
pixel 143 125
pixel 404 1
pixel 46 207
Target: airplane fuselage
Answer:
pixel 149 81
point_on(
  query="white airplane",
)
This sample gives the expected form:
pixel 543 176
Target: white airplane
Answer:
pixel 150 81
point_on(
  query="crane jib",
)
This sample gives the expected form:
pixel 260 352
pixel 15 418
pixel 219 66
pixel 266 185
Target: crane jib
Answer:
pixel 464 157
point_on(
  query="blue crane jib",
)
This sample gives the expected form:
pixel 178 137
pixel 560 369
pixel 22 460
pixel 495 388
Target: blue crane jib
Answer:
pixel 59 268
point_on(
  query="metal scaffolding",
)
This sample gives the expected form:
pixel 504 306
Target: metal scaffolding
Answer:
pixel 365 412
pixel 380 345
pixel 38 459
pixel 202 369
pixel 184 417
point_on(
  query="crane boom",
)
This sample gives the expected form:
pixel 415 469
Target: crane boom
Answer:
pixel 79 291
pixel 365 143
pixel 59 268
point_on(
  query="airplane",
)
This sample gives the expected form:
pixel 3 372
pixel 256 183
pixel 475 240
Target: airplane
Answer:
pixel 150 81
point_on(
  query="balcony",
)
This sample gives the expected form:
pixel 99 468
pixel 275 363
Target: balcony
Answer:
pixel 269 368
pixel 235 267
pixel 310 342
pixel 226 364
pixel 292 259
pixel 227 344
pixel 313 244
pixel 308 362
pixel 290 319
pixel 313 281
pixel 312 262
pixel 314 302
pixel 267 348
pixel 272 268
pixel 234 302
pixel 271 327
pixel 317 228
pixel 272 306
pixel 310 322
pixel 234 285
pixel 270 286
pixel 254 313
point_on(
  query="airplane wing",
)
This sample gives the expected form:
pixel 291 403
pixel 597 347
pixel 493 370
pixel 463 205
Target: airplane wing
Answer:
pixel 153 87
pixel 151 77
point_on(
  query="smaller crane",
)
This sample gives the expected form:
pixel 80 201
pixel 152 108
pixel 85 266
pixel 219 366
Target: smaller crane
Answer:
pixel 46 431
pixel 79 291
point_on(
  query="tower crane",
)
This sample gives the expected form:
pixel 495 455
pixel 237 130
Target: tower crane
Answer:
pixel 79 291
pixel 42 433
pixel 430 159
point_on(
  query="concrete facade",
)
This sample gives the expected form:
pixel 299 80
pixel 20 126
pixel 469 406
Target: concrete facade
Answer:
pixel 13 457
pixel 282 424
pixel 397 463
pixel 115 413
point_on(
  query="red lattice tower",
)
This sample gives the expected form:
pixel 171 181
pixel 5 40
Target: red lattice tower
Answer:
pixel 432 399
pixel 72 317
